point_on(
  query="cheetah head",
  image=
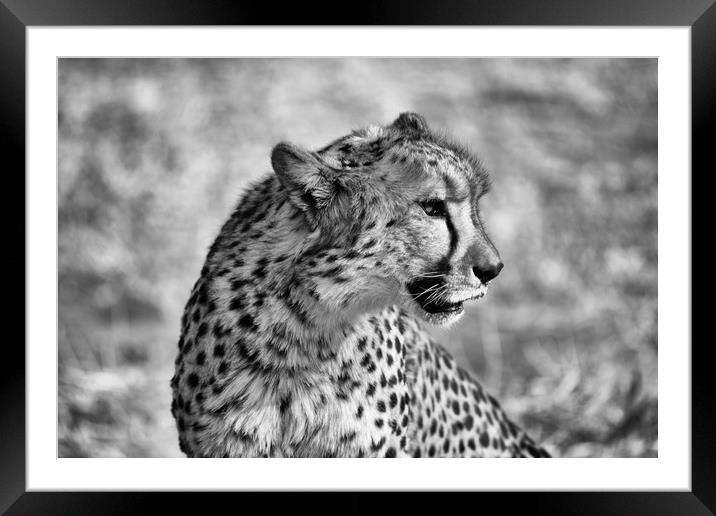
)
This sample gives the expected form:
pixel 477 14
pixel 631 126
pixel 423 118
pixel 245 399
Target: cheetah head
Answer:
pixel 394 213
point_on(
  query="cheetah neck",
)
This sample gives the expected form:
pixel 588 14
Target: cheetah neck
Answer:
pixel 280 283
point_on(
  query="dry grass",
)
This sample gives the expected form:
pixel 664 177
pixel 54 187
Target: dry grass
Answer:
pixel 153 155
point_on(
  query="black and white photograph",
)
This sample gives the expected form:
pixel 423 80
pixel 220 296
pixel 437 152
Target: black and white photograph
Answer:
pixel 357 257
pixel 277 240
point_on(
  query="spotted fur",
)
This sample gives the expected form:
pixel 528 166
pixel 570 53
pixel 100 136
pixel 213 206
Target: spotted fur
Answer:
pixel 304 334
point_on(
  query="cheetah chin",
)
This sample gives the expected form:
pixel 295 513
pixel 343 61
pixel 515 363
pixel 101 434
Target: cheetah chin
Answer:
pixel 441 310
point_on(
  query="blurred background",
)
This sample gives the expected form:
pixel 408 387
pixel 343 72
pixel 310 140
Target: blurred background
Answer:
pixel 153 155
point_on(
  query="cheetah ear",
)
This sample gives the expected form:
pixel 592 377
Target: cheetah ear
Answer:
pixel 308 180
pixel 411 122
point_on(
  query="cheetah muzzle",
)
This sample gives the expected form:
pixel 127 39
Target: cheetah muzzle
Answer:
pixel 427 293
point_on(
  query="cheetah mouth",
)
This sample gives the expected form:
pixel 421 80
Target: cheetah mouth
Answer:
pixel 425 294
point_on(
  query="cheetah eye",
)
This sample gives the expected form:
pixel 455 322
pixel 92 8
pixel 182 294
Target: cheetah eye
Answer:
pixel 434 207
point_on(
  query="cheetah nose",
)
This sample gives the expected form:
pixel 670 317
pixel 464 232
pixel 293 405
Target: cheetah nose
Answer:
pixel 488 271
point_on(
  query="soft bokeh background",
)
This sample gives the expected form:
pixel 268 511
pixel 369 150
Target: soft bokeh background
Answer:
pixel 153 155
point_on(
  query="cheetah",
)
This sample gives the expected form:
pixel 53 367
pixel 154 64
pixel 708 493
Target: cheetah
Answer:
pixel 304 335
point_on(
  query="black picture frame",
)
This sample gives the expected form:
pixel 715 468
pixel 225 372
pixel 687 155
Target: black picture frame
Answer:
pixel 17 15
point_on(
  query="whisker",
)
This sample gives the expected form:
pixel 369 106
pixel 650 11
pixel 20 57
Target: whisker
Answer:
pixel 427 290
pixel 428 275
pixel 436 294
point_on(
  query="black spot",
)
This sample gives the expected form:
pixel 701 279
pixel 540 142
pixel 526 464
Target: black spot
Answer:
pixel 222 367
pixel 381 406
pixel 219 350
pixel 375 446
pixel 285 403
pixel 468 421
pixel 203 328
pixel 493 401
pixel 236 304
pixel 394 425
pixel 390 452
pixel 401 326
pixel 201 358
pixel 484 440
pixel 477 394
pixel 219 332
pixel 446 445
pixel 393 400
pixel 503 430
pixel 416 453
pixel 359 413
pixel 192 380
pixel 471 443
pixel 431 451
pixel 370 391
pixel 456 407
pixel 346 438
pixel 247 322
pixel 237 284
